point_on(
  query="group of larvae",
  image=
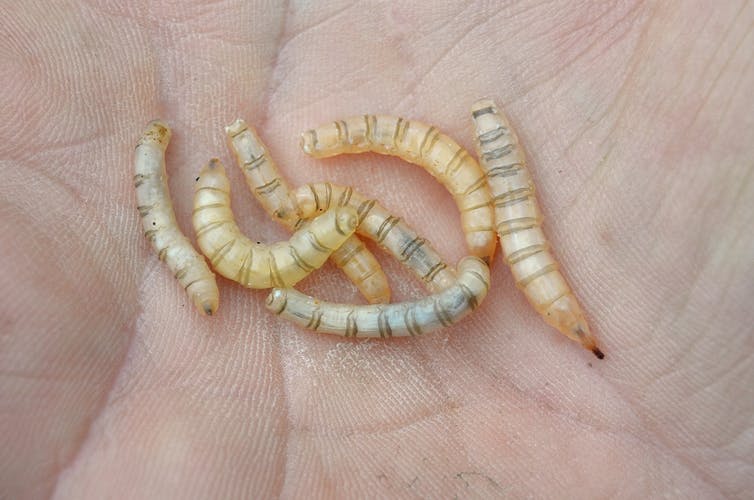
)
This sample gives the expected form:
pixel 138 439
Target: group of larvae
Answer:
pixel 496 198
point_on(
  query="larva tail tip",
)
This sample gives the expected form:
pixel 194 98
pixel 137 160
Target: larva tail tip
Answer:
pixel 598 353
pixel 209 310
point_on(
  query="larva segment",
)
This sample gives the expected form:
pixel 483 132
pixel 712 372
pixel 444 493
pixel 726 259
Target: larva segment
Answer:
pixel 273 192
pixel 256 265
pixel 518 221
pixel 376 223
pixel 158 220
pixel 422 145
pixel 390 320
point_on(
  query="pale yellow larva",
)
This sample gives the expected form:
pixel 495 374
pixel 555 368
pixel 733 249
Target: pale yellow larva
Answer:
pixel 387 320
pixel 427 147
pixel 256 265
pixel 518 221
pixel 273 192
pixel 158 220
pixel 378 224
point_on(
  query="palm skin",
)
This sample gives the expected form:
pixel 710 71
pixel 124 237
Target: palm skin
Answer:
pixel 637 122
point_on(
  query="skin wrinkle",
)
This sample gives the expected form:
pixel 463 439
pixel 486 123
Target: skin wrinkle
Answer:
pixel 704 100
pixel 411 89
pixel 639 52
pixel 635 11
pixel 263 119
pixel 274 82
pixel 734 92
pixel 308 29
pixel 101 407
pixel 130 331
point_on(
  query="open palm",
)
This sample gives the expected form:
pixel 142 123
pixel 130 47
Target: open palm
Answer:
pixel 637 121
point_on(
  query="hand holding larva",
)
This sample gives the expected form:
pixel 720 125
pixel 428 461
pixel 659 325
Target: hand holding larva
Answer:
pixel 256 265
pixel 518 221
pixel 274 194
pixel 158 220
pixel 427 147
pixel 387 320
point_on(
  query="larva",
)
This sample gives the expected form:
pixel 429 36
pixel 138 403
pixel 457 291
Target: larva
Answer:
pixel 518 222
pixel 273 192
pixel 388 231
pixel 389 320
pixel 427 147
pixel 255 265
pixel 158 220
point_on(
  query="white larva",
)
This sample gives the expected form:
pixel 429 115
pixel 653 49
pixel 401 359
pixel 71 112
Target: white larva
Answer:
pixel 376 223
pixel 158 220
pixel 256 265
pixel 389 320
pixel 273 192
pixel 519 224
pixel 427 147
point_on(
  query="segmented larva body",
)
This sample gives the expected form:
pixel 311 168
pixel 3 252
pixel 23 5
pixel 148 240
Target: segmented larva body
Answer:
pixel 378 224
pixel 389 320
pixel 274 194
pixel 427 147
pixel 158 220
pixel 256 265
pixel 518 222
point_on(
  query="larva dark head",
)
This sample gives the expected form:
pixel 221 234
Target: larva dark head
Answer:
pixel 212 175
pixel 204 294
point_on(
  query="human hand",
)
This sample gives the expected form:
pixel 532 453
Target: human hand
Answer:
pixel 636 121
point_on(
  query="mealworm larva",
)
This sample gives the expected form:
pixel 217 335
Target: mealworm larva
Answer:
pixel 158 220
pixel 378 224
pixel 255 265
pixel 518 221
pixel 427 147
pixel 389 320
pixel 273 192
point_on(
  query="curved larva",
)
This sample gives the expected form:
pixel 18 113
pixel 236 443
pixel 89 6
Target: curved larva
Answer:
pixel 255 265
pixel 518 221
pixel 389 320
pixel 378 224
pixel 273 192
pixel 427 147
pixel 158 220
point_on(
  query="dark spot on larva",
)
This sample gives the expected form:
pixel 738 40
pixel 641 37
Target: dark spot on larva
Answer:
pixel 197 179
pixel 598 353
pixel 259 242
pixel 154 223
